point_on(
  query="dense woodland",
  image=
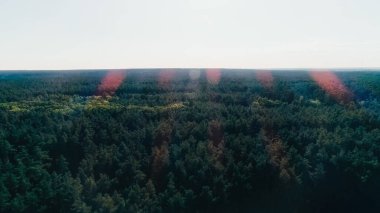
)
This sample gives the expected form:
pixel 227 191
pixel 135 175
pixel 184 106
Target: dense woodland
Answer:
pixel 189 141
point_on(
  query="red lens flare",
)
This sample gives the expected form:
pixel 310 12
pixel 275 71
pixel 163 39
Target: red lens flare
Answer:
pixel 111 82
pixel 216 142
pixel 160 150
pixel 165 77
pixel 331 84
pixel 213 76
pixel 265 78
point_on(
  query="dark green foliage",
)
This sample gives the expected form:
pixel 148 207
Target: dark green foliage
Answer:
pixel 185 144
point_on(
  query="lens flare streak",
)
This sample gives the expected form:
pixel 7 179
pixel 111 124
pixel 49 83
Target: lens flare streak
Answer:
pixel 332 85
pixel 213 76
pixel 265 78
pixel 165 78
pixel 111 82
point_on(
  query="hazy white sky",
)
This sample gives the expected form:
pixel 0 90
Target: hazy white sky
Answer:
pixel 73 34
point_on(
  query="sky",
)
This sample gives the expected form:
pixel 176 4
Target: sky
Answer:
pixel 110 34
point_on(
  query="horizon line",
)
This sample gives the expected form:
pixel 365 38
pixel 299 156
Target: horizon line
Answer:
pixel 203 68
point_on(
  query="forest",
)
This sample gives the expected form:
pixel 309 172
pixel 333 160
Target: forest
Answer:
pixel 190 140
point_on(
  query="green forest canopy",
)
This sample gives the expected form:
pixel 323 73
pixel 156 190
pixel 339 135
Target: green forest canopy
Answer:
pixel 189 141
